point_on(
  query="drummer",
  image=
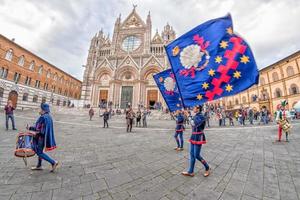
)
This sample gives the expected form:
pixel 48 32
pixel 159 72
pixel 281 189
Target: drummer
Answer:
pixel 44 138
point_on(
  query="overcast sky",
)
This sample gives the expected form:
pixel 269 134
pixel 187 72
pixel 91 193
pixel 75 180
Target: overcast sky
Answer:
pixel 60 30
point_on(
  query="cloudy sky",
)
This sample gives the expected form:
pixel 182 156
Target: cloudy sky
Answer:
pixel 60 30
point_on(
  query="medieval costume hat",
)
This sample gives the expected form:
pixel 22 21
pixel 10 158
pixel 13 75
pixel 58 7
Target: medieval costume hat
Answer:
pixel 284 103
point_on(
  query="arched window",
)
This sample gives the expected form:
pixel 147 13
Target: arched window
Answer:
pixel 1 92
pixel 48 73
pixel 244 99
pixel 278 93
pixel 294 89
pixel 236 102
pixel 264 95
pixel 275 76
pixel 290 71
pixel 35 98
pixel 40 69
pixel 262 81
pixel 21 61
pixel 55 77
pixel 31 66
pixel 9 55
pixel 25 97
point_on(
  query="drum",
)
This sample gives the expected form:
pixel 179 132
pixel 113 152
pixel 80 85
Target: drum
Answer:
pixel 24 144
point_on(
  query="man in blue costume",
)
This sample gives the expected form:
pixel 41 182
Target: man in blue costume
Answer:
pixel 196 140
pixel 179 130
pixel 44 137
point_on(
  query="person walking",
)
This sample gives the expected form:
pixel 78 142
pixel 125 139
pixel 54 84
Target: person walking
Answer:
pixel 197 139
pixel 207 116
pixel 144 117
pixel 129 119
pixel 251 116
pixel 105 118
pixel 44 138
pixel 138 118
pixel 9 114
pixel 91 113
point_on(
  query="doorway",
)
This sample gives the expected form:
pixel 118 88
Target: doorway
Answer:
pixel 13 96
pixel 126 96
pixel 103 96
pixel 152 97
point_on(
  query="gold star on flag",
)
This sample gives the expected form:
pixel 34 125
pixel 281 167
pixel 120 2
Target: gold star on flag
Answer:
pixel 223 44
pixel 178 105
pixel 205 85
pixel 244 59
pixel 199 96
pixel 211 72
pixel 229 30
pixel 237 74
pixel 218 59
pixel 229 88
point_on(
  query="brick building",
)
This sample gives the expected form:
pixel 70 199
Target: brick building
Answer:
pixel 28 80
pixel 277 82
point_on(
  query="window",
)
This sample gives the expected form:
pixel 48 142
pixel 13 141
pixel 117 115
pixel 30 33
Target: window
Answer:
pixel 290 71
pixel 31 66
pixel 262 81
pixel 25 97
pixel 294 89
pixel 3 73
pixel 40 69
pixel 21 61
pixel 55 77
pixel 17 77
pixel 48 74
pixel 278 93
pixel 35 98
pixel 236 101
pixel 45 86
pixel 28 80
pixel 37 84
pixel 9 55
pixel 1 92
pixel 244 99
pixel 275 76
pixel 131 43
pixel 58 102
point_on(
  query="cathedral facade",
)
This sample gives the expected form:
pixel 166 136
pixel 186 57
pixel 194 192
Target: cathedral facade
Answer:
pixel 119 70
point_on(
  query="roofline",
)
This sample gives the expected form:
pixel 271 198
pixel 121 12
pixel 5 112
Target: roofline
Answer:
pixel 14 43
pixel 281 61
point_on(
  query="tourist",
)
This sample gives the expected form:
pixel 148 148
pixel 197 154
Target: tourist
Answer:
pixel 251 115
pixel 144 118
pixel 44 137
pixel 207 116
pixel 196 140
pixel 91 113
pixel 223 117
pixel 230 116
pixel 219 117
pixel 179 130
pixel 138 118
pixel 129 119
pixel 9 114
pixel 105 118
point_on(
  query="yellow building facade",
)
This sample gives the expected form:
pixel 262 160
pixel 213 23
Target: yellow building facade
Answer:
pixel 277 82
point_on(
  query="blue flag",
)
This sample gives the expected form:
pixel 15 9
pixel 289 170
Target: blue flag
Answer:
pixel 210 62
pixel 166 83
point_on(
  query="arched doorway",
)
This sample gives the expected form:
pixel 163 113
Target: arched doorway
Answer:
pixel 13 96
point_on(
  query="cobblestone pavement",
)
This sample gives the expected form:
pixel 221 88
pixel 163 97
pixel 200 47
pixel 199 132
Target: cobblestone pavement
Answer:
pixel 99 163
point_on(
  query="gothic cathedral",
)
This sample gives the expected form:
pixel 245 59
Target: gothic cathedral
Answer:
pixel 119 70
